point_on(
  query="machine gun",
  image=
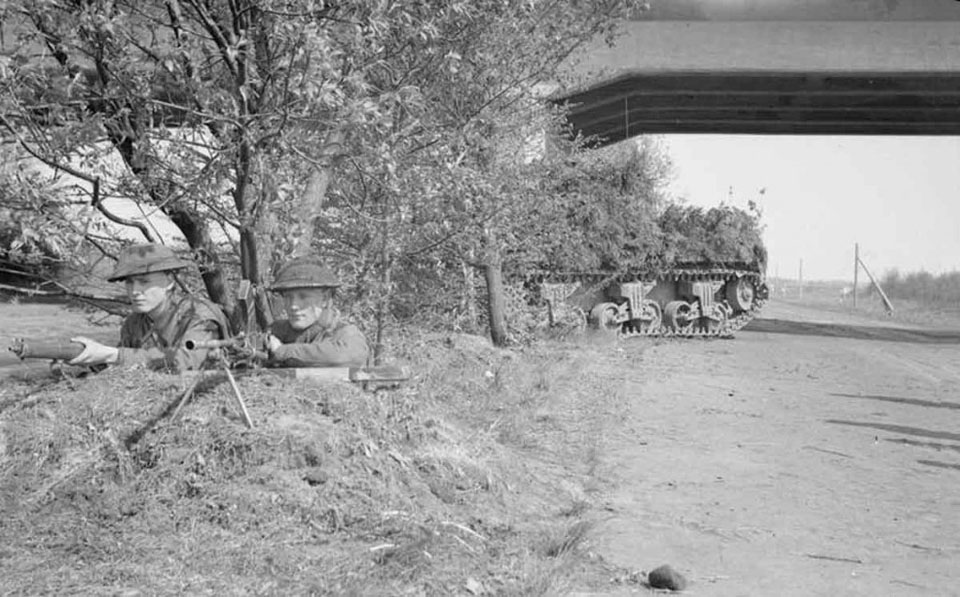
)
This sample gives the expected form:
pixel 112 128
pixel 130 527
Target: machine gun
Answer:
pixel 248 351
pixel 245 352
pixel 240 351
pixel 56 350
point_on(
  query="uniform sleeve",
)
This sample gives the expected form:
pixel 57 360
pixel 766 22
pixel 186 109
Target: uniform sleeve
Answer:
pixel 344 348
pixel 175 358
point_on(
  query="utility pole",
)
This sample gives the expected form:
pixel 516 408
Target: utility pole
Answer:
pixel 801 277
pixel 883 295
pixel 856 271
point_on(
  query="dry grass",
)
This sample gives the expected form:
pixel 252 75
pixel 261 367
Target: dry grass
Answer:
pixel 478 477
pixel 906 311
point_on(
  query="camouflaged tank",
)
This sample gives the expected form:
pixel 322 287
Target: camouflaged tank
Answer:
pixel 700 273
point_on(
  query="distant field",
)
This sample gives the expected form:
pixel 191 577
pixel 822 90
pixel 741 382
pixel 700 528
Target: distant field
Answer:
pixel 827 296
pixel 48 321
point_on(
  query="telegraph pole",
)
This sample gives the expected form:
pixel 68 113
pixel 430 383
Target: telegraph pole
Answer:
pixel 801 278
pixel 856 271
pixel 857 264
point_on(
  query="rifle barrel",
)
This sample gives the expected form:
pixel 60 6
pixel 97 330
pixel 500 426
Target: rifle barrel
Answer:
pixel 202 344
pixel 237 343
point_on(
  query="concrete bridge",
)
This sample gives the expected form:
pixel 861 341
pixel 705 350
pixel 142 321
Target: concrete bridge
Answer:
pixel 771 77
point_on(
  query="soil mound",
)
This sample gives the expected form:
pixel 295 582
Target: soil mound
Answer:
pixel 336 490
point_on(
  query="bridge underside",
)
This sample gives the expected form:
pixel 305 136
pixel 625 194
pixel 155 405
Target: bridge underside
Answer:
pixel 789 103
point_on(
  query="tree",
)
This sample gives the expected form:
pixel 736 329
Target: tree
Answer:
pixel 468 154
pixel 391 119
pixel 203 101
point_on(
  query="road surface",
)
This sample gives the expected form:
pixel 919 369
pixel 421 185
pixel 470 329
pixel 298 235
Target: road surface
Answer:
pixel 816 454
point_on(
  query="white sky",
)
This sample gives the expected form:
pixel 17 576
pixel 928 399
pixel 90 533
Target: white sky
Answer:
pixel 817 10
pixel 899 197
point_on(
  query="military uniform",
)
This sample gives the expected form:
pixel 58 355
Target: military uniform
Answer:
pixel 341 345
pixel 329 343
pixel 156 339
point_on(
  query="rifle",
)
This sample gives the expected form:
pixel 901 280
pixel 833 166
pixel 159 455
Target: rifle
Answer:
pixel 57 350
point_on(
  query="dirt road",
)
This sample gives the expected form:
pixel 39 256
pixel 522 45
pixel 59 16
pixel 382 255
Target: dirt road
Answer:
pixel 816 454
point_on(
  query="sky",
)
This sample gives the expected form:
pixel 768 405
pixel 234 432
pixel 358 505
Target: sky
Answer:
pixel 898 197
pixel 816 10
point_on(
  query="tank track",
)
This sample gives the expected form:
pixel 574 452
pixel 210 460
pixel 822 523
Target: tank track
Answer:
pixel 726 330
pixel 729 328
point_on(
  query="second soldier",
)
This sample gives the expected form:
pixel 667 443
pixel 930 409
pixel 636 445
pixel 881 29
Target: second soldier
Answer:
pixel 313 334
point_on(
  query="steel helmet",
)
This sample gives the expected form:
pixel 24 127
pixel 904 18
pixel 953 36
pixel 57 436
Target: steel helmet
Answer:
pixel 146 258
pixel 304 273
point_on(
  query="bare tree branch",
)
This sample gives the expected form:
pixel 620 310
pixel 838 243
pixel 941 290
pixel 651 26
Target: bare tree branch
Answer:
pixel 93 180
pixel 210 26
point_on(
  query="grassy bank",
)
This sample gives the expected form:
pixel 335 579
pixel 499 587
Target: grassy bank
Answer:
pixel 477 477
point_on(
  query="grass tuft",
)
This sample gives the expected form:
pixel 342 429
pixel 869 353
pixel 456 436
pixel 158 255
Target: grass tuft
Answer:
pixel 561 541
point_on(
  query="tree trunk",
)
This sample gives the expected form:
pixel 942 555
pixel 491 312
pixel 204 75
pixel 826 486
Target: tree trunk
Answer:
pixel 314 195
pixel 246 204
pixel 383 311
pixel 308 210
pixel 495 304
pixel 386 286
pixel 493 274
pixel 468 300
pixel 198 238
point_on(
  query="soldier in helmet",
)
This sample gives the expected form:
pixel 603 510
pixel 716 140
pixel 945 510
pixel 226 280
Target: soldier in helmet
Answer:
pixel 162 319
pixel 313 335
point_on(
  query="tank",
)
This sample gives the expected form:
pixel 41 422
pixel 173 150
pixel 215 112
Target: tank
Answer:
pixel 689 272
pixel 688 300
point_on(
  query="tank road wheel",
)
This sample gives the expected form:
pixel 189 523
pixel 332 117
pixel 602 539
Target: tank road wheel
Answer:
pixel 604 317
pixel 716 322
pixel 650 320
pixel 741 294
pixel 676 318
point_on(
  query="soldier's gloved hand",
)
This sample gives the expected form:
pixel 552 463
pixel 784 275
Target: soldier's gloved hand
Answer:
pixel 272 343
pixel 94 353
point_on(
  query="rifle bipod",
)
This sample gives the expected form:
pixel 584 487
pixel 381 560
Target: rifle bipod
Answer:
pixel 224 365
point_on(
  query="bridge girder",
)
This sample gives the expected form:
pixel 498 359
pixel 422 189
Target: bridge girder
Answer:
pixel 772 77
pixel 859 103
